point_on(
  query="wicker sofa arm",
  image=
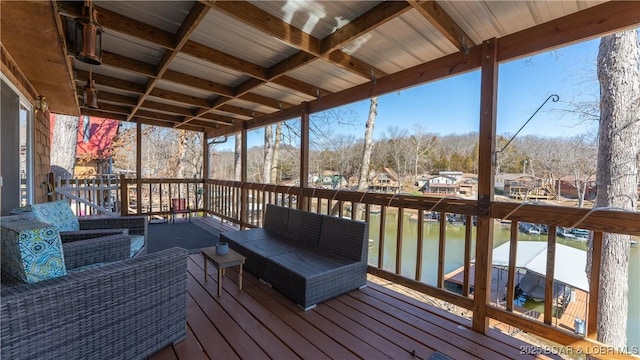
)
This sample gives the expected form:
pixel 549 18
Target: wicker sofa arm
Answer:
pixel 129 309
pixel 137 225
pixel 103 249
pixel 71 236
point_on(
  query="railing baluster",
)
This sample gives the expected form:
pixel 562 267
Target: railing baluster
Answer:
pixel 442 238
pixel 513 251
pixel 467 255
pixel 383 219
pixel 399 233
pixel 594 288
pixel 548 284
pixel 420 245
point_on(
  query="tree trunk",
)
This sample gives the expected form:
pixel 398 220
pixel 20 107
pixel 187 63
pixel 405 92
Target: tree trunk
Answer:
pixel 237 160
pixel 275 156
pixel 182 154
pixel 363 180
pixel 617 177
pixel 63 145
pixel 268 157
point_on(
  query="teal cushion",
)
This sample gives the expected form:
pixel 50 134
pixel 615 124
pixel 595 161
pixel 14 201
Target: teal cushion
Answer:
pixel 137 242
pixel 58 214
pixel 31 250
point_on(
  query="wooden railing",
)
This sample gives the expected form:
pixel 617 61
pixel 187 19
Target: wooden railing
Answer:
pixel 396 258
pixel 95 195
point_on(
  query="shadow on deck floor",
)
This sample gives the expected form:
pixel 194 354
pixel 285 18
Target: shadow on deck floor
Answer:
pixel 182 234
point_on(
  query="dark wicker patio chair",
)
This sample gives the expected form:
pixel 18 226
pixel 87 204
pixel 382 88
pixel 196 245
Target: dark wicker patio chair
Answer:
pixel 124 309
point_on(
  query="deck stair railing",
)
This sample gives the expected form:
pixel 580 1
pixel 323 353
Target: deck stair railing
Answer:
pixel 95 195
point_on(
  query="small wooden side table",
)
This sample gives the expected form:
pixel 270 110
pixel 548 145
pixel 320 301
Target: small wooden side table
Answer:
pixel 222 262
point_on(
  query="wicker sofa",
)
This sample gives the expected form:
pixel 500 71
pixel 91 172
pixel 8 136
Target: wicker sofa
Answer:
pixel 108 306
pixel 308 257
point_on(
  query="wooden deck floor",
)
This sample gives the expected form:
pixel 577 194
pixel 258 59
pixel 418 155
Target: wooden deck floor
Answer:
pixel 373 323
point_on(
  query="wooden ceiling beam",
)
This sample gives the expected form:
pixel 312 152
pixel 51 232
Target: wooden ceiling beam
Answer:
pixel 225 60
pixel 158 106
pixel 108 81
pixel 240 111
pixel 114 98
pixel 189 25
pixel 266 101
pixel 267 23
pixel 198 83
pixel 180 98
pixel 114 116
pixel 308 45
pixel 593 22
pixel 435 14
pixel 120 23
pixel 128 64
pixel 372 19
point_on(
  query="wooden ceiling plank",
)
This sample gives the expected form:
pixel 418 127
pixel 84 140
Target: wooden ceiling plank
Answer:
pixel 377 16
pixel 439 18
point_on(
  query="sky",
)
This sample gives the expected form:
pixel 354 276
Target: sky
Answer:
pixel 451 106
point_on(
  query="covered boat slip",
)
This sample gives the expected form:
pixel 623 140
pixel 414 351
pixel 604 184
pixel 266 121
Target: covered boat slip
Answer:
pixel 376 322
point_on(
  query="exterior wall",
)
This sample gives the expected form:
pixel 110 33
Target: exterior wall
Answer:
pixel 41 156
pixel 42 146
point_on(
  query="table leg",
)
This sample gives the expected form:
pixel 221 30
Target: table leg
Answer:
pixel 205 268
pixel 220 271
pixel 240 278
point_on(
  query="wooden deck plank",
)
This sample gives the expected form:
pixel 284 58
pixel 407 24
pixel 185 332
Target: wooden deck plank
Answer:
pixel 290 313
pixel 407 346
pixel 429 322
pixel 207 335
pixel 263 337
pixel 376 322
pixel 513 345
pixel 410 327
pixel 190 348
pixel 287 335
pixel 233 334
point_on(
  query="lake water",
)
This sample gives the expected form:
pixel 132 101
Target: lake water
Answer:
pixel 454 256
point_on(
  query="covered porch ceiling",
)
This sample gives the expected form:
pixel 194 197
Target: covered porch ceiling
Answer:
pixel 224 66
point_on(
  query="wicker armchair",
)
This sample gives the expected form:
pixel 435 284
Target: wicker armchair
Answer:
pixel 59 214
pixel 127 309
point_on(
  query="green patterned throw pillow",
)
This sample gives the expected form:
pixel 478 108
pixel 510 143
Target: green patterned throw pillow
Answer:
pixel 58 214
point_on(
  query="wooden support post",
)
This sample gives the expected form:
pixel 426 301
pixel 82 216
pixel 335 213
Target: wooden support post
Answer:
pixel 205 175
pixel 486 173
pixel 138 168
pixel 244 198
pixel 304 157
pixel 124 196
